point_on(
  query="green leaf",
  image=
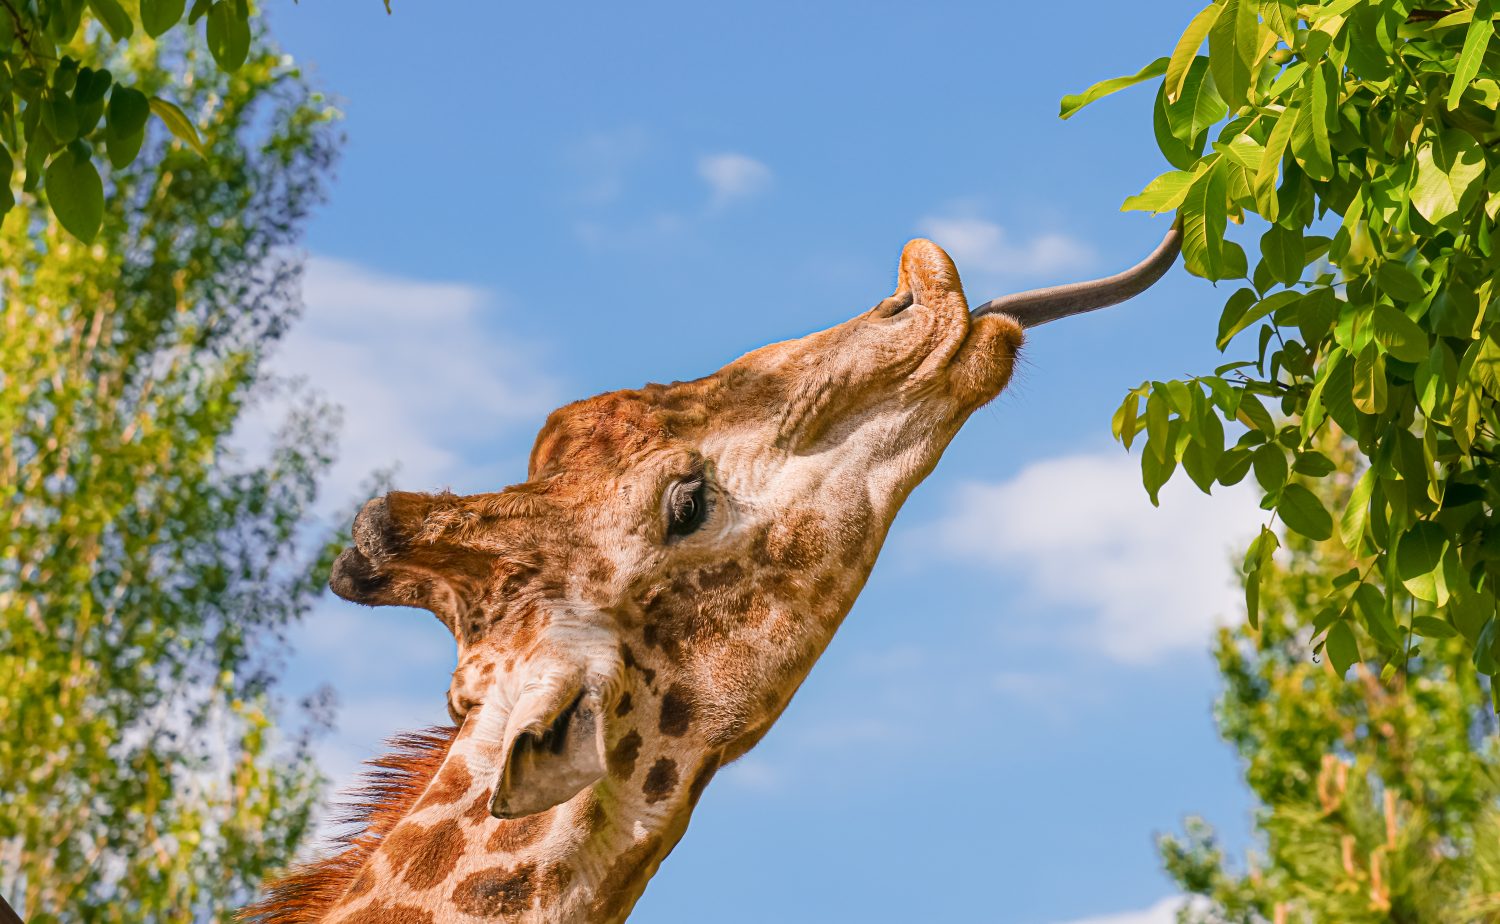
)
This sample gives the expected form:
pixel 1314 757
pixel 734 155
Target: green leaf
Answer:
pixel 91 86
pixel 1475 42
pixel 1369 380
pixel 128 111
pixel 1484 363
pixel 1432 627
pixel 1252 599
pixel 1270 467
pixel 1233 43
pixel 1301 510
pixel 1254 414
pixel 125 125
pixel 1357 512
pixel 1155 472
pixel 228 35
pixel 1447 170
pixel 1074 102
pixel 1162 194
pixel 1314 463
pixel 1198 107
pixel 1435 379
pixel 1187 49
pixel 1125 420
pixel 1204 214
pixel 1341 647
pixel 1284 253
pixel 1315 315
pixel 1234 464
pixel 75 193
pixel 123 149
pixel 60 116
pixel 1375 607
pixel 1400 335
pixel 114 18
pixel 7 167
pixel 160 15
pixel 1281 18
pixel 1264 184
pixel 1400 283
pixel 1420 550
pixel 1262 547
pixel 178 124
pixel 1309 142
pixel 1157 429
pixel 1261 309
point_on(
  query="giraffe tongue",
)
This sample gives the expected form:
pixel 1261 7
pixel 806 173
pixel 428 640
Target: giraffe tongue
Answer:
pixel 553 748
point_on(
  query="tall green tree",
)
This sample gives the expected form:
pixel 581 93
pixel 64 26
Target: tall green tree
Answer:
pixel 1378 800
pixel 1363 135
pixel 145 568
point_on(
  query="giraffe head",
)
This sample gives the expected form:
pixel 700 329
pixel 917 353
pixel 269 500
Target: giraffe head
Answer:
pixel 685 550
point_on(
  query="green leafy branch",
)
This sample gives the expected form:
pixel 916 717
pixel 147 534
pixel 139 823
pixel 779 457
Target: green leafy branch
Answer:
pixel 1364 134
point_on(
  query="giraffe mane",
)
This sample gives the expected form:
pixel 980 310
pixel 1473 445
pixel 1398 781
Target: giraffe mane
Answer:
pixel 384 795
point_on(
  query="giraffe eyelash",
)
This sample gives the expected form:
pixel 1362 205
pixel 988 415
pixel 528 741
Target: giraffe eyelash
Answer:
pixel 687 505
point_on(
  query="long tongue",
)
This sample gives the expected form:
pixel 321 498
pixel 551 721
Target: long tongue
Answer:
pixel 1038 306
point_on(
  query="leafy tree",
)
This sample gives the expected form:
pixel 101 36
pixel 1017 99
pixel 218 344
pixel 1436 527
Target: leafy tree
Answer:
pixel 1364 133
pixel 59 99
pixel 1379 800
pixel 142 564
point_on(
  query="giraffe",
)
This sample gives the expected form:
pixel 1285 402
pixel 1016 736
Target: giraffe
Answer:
pixel 640 610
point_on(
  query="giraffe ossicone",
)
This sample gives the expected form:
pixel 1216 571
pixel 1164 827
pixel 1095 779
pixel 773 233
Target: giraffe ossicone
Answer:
pixel 641 609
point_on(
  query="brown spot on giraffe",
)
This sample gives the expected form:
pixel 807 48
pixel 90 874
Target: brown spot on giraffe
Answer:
pixel 496 891
pixel 729 574
pixel 796 542
pixel 551 883
pixel 434 854
pixel 661 779
pixel 623 707
pixel 621 757
pixel 676 712
pixel 403 843
pixel 479 810
pixel 627 657
pixel 516 834
pixel 450 786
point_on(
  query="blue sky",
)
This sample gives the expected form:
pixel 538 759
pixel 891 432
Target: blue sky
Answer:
pixel 539 202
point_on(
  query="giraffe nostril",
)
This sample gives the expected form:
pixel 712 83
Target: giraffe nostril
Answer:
pixel 374 532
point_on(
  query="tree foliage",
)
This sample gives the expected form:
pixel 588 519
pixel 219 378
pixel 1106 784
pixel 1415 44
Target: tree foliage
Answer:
pixel 1378 799
pixel 142 563
pixel 59 101
pixel 1363 133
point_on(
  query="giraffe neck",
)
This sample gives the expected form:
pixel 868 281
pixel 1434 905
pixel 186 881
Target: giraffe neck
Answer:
pixel 587 860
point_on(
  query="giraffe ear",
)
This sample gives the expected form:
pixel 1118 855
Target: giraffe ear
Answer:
pixel 552 750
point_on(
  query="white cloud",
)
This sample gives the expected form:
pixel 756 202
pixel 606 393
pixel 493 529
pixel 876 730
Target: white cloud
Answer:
pixel 605 159
pixel 1079 532
pixel 731 177
pixel 1163 912
pixel 754 774
pixel 980 246
pixel 419 368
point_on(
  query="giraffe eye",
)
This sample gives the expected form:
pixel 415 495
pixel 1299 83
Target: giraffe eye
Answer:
pixel 687 505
